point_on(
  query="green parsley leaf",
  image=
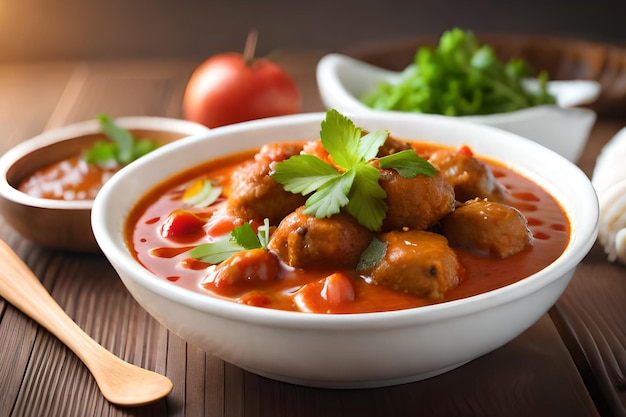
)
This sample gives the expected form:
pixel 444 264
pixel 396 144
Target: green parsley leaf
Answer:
pixel 245 237
pixel 355 185
pixel 408 164
pixel 239 239
pixel 142 147
pixel 367 198
pixel 370 144
pixel 340 137
pixel 303 174
pixel 122 148
pixel 375 251
pixel 101 151
pixel 345 142
pixel 331 197
pixel 122 137
pixel 217 251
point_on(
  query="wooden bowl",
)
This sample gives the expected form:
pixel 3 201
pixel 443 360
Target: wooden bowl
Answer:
pixel 60 224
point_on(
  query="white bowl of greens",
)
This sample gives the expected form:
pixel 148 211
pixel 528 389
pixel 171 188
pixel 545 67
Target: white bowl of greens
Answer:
pixel 461 78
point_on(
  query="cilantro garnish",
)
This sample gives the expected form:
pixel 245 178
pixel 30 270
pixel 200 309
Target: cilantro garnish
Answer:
pixel 241 238
pixel 407 165
pixel 353 183
pixel 460 77
pixel 122 148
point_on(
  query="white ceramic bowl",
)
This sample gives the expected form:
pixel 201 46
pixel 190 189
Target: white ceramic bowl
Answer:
pixel 342 80
pixel 344 351
pixel 60 224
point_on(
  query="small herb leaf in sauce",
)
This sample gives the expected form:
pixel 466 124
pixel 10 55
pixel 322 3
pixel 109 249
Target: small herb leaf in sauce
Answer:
pixel 122 148
pixel 372 254
pixel 242 237
pixel 352 183
pixel 408 164
pixel 245 237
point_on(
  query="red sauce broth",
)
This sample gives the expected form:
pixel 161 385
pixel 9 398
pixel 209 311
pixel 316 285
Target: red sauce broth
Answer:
pixel 169 260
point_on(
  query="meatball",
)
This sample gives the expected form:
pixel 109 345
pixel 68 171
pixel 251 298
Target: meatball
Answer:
pixel 417 262
pixel 486 226
pixel 469 176
pixel 254 194
pixel 393 145
pixel 415 203
pixel 305 241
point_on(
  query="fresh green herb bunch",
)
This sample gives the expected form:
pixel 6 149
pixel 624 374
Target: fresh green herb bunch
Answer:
pixel 460 77
pixel 121 149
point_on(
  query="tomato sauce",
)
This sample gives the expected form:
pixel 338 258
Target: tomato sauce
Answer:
pixel 301 290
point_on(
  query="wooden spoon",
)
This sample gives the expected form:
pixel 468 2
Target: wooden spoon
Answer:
pixel 120 382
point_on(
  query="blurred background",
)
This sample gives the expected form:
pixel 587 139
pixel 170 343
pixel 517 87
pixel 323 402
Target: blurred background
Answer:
pixel 104 29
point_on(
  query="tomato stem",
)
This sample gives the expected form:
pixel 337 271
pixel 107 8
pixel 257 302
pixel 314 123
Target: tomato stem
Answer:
pixel 250 47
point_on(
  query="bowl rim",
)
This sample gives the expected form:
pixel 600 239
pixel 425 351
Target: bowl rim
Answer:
pixel 71 132
pixel 581 240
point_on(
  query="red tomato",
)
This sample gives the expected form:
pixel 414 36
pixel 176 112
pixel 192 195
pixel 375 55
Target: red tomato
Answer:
pixel 465 150
pixel 327 295
pixel 338 289
pixel 242 271
pixel 227 89
pixel 182 225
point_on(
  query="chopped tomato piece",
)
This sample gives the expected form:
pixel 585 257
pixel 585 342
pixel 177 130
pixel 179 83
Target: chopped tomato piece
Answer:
pixel 182 225
pixel 222 223
pixel 255 298
pixel 338 289
pixel 241 272
pixel 465 150
pixel 328 295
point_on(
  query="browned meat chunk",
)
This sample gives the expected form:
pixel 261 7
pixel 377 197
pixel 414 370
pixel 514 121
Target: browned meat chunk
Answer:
pixel 393 145
pixel 469 176
pixel 415 203
pixel 486 226
pixel 254 194
pixel 304 241
pixel 417 262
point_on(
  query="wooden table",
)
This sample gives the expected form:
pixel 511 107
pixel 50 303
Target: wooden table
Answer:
pixel 570 363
